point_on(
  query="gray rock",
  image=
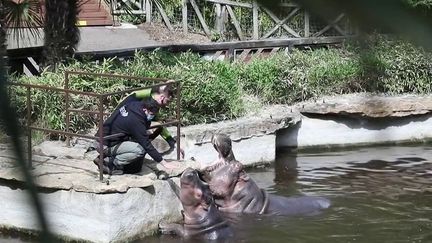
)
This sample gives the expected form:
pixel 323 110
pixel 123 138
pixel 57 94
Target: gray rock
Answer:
pixel 59 149
pixel 369 105
pixel 110 217
pixel 83 176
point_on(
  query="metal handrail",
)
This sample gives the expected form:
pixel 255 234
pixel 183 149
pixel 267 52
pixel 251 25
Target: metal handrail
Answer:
pixel 100 113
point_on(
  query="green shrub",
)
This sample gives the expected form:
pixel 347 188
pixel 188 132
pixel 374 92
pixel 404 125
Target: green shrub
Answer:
pixel 215 91
pixel 323 72
pixel 209 90
pixel 299 76
pixel 407 68
pixel 264 78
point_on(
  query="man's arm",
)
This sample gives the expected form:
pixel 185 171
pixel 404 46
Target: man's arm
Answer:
pixel 139 134
pixel 142 94
pixel 135 96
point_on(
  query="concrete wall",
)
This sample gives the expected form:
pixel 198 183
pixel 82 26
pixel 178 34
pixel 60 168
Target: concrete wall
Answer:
pixel 114 217
pixel 325 131
pixel 250 151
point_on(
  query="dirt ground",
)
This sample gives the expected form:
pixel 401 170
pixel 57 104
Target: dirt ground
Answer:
pixel 160 33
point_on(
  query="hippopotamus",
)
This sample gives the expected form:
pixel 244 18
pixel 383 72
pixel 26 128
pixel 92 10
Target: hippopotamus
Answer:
pixel 236 192
pixel 202 219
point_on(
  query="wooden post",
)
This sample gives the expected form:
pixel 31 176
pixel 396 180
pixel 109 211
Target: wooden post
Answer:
pixel 224 17
pixel 255 20
pixel 218 20
pixel 164 16
pixel 201 18
pixel 236 23
pixel 184 16
pixel 148 7
pixel 306 24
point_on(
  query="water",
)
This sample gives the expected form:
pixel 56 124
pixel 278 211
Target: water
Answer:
pixel 380 194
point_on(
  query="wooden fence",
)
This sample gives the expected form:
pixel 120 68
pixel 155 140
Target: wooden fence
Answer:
pixel 240 20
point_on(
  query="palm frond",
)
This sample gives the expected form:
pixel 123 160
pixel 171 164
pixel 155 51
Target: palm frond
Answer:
pixel 21 17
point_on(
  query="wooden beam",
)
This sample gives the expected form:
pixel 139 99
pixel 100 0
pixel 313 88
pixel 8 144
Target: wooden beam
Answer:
pixel 232 3
pixel 201 18
pixel 243 55
pixel 306 24
pixel 225 16
pixel 257 54
pixel 164 16
pixel 148 8
pixel 280 23
pixel 218 18
pixel 235 22
pixel 338 29
pixel 329 26
pixel 209 47
pixel 277 20
pixel 274 50
pixel 217 55
pixel 255 20
pixel 289 5
pixel 184 16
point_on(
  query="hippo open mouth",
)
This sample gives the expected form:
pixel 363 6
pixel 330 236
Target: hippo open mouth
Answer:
pixel 190 177
pixel 201 217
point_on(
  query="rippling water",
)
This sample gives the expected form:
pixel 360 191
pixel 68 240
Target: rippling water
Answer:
pixel 380 194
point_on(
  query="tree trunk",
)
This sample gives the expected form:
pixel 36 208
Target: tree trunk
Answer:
pixel 61 32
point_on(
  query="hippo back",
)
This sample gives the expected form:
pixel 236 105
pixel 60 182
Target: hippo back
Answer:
pixel 299 205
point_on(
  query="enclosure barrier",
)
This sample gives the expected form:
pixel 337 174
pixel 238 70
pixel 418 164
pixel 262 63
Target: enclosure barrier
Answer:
pixel 237 19
pixel 100 113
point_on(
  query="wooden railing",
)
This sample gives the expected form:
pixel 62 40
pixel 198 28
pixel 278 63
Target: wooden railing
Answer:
pixel 235 20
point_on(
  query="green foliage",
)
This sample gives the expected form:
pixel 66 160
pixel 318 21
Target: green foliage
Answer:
pixel 389 66
pixel 209 90
pixel 420 3
pixel 265 78
pixel 214 91
pixel 131 18
pixel 407 68
pixel 299 76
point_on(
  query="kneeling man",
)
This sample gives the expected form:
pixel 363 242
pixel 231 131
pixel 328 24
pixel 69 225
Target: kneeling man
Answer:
pixel 132 121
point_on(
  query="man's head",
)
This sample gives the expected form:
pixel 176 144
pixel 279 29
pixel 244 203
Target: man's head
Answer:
pixel 151 108
pixel 163 94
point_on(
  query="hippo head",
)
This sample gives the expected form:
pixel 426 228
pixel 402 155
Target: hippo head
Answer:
pixel 222 144
pixel 225 179
pixel 193 191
